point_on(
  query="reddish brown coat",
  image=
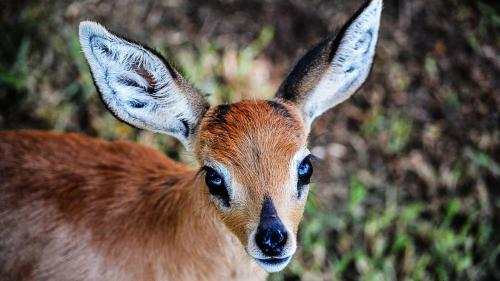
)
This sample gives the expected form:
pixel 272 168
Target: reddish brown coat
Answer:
pixel 107 211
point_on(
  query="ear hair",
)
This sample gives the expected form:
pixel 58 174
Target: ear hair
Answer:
pixel 139 87
pixel 335 68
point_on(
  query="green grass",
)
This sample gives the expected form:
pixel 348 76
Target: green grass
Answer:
pixel 393 131
pixel 389 241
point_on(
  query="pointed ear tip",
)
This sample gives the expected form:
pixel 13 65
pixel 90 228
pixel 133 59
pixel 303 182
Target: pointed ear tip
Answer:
pixel 377 4
pixel 373 10
pixel 86 28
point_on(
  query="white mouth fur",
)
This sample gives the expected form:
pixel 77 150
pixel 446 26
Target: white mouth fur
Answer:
pixel 274 264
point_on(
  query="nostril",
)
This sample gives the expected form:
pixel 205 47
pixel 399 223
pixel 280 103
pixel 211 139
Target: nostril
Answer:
pixel 279 238
pixel 271 241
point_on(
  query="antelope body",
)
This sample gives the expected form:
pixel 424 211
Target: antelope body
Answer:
pixel 78 208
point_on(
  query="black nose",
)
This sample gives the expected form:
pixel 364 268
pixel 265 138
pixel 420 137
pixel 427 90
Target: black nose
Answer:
pixel 271 234
pixel 271 241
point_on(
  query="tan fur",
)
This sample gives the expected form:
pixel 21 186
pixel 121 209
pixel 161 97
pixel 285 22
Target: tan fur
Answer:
pixel 77 208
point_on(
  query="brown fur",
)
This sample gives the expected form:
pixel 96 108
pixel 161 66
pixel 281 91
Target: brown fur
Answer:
pixel 256 140
pixel 77 208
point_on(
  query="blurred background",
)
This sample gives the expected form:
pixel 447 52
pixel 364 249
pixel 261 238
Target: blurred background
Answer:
pixel 408 187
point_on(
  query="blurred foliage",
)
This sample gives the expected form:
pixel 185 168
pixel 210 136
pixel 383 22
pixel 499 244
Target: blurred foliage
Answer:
pixel 408 188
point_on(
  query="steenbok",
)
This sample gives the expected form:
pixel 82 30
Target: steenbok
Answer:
pixel 78 208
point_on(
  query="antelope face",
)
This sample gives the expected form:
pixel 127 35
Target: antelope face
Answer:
pixel 253 153
pixel 257 169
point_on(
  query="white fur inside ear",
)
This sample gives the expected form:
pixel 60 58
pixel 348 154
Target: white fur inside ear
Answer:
pixel 135 84
pixel 351 63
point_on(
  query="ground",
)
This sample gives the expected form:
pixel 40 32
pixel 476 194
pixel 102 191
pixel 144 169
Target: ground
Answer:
pixel 408 184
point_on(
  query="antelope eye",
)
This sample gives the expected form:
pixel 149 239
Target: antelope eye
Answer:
pixel 305 171
pixel 213 179
pixel 216 185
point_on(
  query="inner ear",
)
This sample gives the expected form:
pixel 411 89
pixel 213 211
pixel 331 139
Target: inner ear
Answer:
pixel 150 80
pixel 101 49
pixel 123 60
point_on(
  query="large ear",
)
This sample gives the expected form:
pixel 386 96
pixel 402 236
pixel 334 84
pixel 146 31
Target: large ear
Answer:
pixel 335 68
pixel 139 87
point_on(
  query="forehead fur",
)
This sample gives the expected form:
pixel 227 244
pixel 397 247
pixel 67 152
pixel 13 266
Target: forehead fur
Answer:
pixel 243 133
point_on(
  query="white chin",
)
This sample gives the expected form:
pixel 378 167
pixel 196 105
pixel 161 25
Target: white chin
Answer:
pixel 273 265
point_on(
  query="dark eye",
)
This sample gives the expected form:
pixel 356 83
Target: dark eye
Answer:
pixel 305 171
pixel 216 185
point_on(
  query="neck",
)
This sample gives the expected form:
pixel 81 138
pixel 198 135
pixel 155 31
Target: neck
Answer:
pixel 176 230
